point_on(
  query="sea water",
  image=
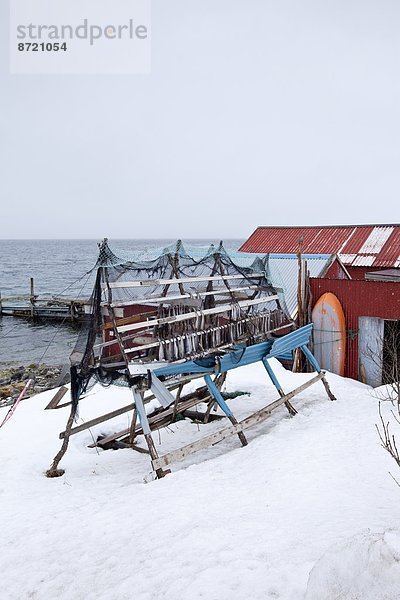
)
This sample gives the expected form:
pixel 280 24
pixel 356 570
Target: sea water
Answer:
pixel 59 267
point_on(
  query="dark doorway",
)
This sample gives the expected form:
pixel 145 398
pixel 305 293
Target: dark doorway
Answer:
pixel 391 352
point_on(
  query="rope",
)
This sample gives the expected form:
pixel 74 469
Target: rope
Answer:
pixel 355 331
pixel 73 283
pixel 351 334
pixel 58 328
pixel 10 330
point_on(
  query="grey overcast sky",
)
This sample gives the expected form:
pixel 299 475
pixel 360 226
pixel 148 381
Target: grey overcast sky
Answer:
pixel 257 112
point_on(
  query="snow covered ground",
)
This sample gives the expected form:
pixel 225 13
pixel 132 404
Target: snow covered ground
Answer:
pixel 229 523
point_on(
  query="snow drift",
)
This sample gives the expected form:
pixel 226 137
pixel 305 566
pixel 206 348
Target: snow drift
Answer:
pixel 229 523
pixel 364 567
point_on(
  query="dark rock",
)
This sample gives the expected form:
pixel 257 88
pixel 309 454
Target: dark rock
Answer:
pixel 13 380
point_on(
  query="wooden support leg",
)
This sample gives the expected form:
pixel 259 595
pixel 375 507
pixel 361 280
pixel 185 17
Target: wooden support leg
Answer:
pixel 177 398
pixel 154 455
pixel 54 402
pixel 328 389
pixel 138 396
pixel 210 406
pixel 291 409
pixel 133 427
pixel 219 382
pixel 54 471
pixel 214 391
pixel 310 356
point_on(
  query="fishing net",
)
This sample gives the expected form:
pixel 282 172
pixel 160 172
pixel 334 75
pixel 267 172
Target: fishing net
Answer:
pixel 172 304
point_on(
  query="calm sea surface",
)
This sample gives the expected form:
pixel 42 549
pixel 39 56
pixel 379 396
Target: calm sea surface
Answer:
pixel 55 265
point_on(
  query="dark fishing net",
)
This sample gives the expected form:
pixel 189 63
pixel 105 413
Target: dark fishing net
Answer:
pixel 172 304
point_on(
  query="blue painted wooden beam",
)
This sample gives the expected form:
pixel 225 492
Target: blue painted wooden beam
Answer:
pixel 141 411
pixel 311 358
pixel 273 377
pixel 216 394
pixel 239 358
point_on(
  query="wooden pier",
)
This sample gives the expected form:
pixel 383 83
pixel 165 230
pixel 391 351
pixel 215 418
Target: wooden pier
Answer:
pixel 35 308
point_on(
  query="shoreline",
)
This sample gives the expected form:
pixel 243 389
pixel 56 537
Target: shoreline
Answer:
pixel 13 380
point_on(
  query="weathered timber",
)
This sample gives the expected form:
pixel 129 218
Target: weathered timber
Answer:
pixel 59 395
pixel 194 333
pixel 32 299
pixel 154 456
pixel 160 419
pixel 198 416
pixel 175 281
pixel 65 309
pixel 124 409
pixel 195 314
pixel 98 420
pixel 166 299
pixel 68 312
pixel 218 436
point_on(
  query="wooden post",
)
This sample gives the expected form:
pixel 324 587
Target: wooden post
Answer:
pixel 297 364
pixel 32 299
pixel 54 471
pixel 133 427
pixel 1 306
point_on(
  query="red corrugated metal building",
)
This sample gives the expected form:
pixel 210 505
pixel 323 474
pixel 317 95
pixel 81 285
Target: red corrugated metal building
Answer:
pixel 362 249
pixel 375 299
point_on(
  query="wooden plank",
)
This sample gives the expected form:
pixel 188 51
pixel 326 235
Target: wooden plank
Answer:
pixel 177 281
pixel 194 295
pixel 198 333
pixel 126 320
pixel 139 337
pixel 158 420
pixel 218 436
pixel 198 313
pixel 59 395
pixel 118 411
pixel 98 420
pixel 183 336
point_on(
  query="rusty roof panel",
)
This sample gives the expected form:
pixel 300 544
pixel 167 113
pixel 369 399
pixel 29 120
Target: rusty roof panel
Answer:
pixel 364 260
pixel 376 240
pixel 390 253
pixel 370 245
pixel 356 238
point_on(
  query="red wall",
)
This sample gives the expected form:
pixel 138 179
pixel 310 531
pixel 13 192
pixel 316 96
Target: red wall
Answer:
pixel 128 311
pixel 359 272
pixel 336 271
pixel 359 299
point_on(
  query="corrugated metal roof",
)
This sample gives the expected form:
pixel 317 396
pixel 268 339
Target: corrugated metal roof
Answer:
pixel 390 254
pixel 355 240
pixel 357 245
pixel 363 260
pixel 283 273
pixel 376 240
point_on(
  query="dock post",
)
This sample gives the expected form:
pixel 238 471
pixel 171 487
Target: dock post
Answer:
pixel 32 299
pixel 1 306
